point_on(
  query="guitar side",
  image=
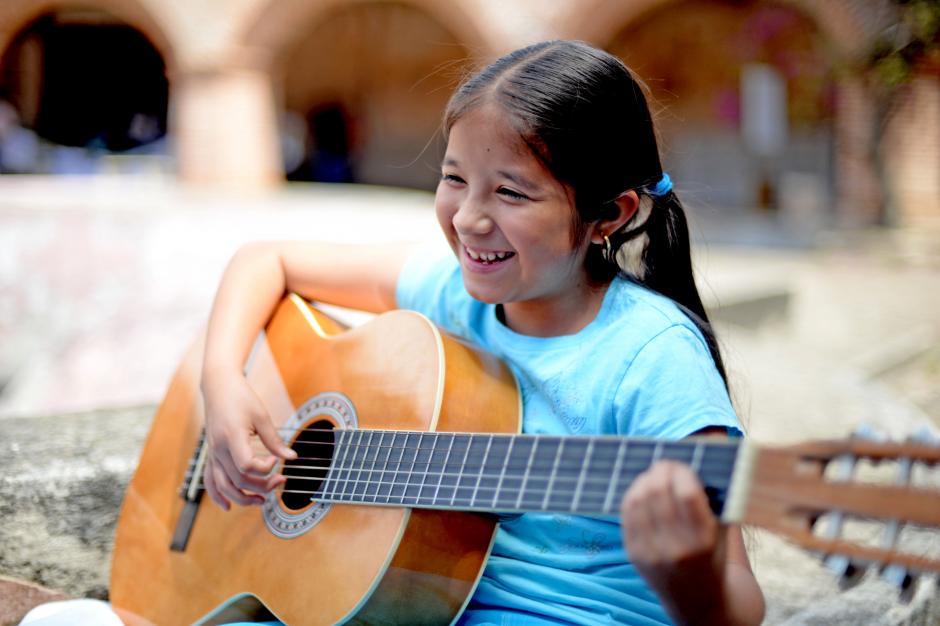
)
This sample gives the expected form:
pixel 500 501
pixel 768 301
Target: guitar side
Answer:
pixel 359 564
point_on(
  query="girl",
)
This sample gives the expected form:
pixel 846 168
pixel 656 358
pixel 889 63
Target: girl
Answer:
pixel 571 263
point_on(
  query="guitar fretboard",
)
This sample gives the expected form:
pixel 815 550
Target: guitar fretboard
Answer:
pixel 509 473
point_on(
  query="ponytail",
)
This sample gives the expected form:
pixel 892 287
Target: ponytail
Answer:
pixel 666 264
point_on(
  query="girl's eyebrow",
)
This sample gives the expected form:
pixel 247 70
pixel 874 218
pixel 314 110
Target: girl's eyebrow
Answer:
pixel 519 180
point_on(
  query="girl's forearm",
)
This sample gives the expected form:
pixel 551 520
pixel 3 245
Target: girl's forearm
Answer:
pixel 735 601
pixel 251 286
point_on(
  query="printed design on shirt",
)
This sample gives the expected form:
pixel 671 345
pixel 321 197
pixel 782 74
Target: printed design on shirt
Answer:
pixel 567 401
pixel 589 544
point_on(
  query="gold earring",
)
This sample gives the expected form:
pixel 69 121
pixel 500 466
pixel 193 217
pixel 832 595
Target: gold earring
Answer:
pixel 608 250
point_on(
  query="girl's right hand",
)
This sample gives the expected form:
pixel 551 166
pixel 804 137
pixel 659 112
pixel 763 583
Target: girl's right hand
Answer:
pixel 234 415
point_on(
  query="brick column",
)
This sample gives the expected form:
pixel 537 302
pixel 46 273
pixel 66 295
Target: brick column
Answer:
pixel 226 129
pixel 859 195
pixel 912 153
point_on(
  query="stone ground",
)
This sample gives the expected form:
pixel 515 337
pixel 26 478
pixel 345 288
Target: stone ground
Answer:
pixel 104 282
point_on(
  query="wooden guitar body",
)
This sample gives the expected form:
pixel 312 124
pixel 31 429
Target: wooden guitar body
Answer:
pixel 356 564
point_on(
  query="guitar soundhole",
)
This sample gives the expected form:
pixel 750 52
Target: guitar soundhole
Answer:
pixel 306 473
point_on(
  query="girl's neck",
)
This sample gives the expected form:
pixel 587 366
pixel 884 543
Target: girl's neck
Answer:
pixel 555 317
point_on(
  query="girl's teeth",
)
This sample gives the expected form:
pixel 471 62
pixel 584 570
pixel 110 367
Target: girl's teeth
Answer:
pixel 488 257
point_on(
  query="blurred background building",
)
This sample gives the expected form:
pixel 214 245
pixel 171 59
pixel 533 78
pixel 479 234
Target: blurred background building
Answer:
pixel 765 108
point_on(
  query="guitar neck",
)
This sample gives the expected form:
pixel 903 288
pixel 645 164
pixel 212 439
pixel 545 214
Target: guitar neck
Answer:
pixel 493 472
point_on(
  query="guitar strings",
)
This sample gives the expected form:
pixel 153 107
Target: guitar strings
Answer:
pixel 358 463
pixel 729 446
pixel 710 478
pixel 337 493
pixel 347 489
pixel 477 475
pixel 715 465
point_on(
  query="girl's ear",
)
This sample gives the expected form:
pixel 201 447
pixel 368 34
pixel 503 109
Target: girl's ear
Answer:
pixel 626 205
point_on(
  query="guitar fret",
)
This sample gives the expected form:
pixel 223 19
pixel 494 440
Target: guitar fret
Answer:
pixel 377 483
pixel 697 454
pixel 412 449
pixel 385 483
pixel 599 477
pixel 551 478
pixel 463 464
pixel 395 482
pixel 486 454
pixel 342 476
pixel 375 474
pixel 525 475
pixel 615 475
pixel 440 478
pixel 355 465
pixel 424 475
pixel 502 473
pixel 366 456
pixel 580 485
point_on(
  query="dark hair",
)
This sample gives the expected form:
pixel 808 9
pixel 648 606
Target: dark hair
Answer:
pixel 585 116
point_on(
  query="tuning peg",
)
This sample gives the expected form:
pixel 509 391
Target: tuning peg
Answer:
pixel 849 572
pixel 869 433
pixel 901 578
pixel 925 435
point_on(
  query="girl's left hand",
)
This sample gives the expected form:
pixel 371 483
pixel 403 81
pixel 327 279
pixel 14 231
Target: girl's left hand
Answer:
pixel 674 540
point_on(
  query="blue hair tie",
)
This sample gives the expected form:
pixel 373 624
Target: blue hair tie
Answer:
pixel 663 187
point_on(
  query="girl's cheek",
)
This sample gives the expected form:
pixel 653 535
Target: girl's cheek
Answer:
pixel 445 207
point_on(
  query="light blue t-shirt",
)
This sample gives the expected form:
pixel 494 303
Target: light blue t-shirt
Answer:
pixel 641 368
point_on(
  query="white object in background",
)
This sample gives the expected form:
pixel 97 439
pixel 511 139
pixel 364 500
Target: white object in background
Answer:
pixel 763 109
pixel 72 613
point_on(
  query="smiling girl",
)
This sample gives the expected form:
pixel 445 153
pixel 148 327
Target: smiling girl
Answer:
pixel 571 263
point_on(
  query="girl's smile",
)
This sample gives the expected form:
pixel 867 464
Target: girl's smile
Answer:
pixel 486 260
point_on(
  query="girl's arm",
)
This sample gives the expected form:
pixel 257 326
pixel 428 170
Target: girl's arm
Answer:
pixel 698 568
pixel 256 279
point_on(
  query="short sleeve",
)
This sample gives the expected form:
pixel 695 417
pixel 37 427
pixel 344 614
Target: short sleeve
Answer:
pixel 672 388
pixel 430 283
pixel 423 277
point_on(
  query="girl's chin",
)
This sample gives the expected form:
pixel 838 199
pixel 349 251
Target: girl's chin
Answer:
pixel 487 296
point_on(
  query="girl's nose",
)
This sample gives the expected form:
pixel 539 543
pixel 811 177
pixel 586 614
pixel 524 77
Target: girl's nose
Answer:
pixel 472 218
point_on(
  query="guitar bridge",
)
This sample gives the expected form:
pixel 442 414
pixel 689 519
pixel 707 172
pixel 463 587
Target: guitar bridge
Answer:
pixel 191 491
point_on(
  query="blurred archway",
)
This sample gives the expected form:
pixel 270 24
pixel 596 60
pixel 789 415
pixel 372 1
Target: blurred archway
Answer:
pixel 747 115
pixel 362 87
pixel 83 84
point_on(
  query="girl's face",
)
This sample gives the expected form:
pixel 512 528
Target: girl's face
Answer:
pixel 508 220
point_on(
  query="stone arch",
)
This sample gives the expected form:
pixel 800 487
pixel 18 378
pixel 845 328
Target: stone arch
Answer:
pixel 599 21
pixel 277 23
pixel 17 14
pixel 369 77
pixel 73 92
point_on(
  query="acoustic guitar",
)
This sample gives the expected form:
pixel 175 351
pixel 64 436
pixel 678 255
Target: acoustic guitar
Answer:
pixel 408 441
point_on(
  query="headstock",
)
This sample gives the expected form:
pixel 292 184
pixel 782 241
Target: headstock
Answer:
pixel 855 501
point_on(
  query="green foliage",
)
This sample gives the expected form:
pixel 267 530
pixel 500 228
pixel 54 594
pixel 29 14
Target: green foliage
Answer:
pixel 910 44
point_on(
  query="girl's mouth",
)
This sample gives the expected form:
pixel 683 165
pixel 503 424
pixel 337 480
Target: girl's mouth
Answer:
pixel 487 257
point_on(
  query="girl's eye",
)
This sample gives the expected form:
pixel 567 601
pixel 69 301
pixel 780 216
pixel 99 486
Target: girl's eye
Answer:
pixel 451 178
pixel 511 193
